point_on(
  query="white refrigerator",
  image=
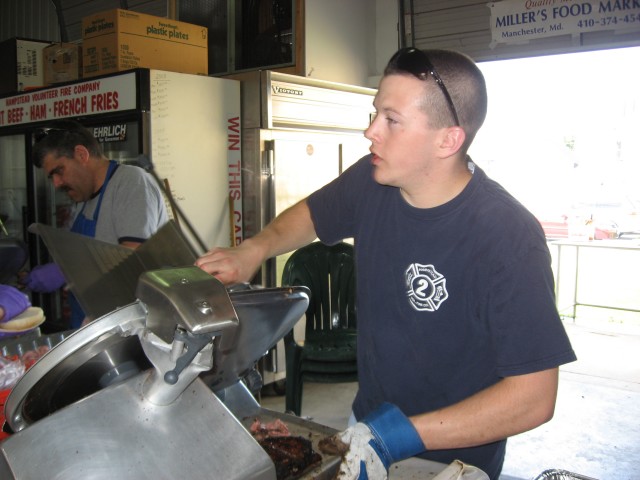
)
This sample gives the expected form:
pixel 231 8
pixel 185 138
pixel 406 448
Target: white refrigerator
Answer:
pixel 298 134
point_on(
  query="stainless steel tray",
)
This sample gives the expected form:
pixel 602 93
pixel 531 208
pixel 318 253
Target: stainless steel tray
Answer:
pixel 327 469
pixel 555 474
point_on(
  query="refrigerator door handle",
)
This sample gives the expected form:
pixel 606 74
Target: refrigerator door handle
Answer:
pixel 267 159
pixel 269 213
pixel 269 174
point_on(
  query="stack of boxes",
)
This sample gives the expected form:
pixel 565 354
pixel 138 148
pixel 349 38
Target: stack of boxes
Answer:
pixel 62 62
pixel 121 39
pixel 112 41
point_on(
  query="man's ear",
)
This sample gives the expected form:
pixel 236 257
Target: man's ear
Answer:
pixel 81 153
pixel 452 140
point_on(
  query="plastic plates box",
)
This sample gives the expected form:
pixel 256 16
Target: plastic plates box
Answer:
pixel 62 63
pixel 118 40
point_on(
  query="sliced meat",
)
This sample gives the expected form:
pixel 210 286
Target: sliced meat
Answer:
pixel 276 428
pixel 292 456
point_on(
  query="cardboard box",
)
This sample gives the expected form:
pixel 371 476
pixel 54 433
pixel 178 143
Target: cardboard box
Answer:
pixel 21 67
pixel 119 39
pixel 62 63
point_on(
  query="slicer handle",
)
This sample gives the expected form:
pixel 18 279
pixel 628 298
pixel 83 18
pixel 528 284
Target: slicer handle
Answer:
pixel 194 344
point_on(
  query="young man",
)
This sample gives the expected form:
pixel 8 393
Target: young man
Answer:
pixel 119 204
pixel 459 340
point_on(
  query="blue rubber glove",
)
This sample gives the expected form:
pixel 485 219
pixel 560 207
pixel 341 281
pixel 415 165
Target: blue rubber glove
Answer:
pixel 384 437
pixel 45 278
pixel 12 302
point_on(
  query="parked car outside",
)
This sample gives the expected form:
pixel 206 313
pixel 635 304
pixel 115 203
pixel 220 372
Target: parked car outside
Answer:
pixel 623 212
pixel 619 218
pixel 578 229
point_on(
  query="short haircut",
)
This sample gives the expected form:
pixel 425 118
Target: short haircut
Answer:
pixel 464 82
pixel 61 139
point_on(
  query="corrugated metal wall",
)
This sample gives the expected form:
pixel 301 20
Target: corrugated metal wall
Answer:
pixel 73 11
pixel 465 25
pixel 38 19
pixel 34 19
pixel 459 24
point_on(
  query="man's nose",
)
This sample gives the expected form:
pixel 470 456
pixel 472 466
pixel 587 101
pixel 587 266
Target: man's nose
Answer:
pixel 369 133
pixel 57 181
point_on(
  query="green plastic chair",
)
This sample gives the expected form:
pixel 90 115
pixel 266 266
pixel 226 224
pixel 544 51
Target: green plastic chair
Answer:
pixel 328 352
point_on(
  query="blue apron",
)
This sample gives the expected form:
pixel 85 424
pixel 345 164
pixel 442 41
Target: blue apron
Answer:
pixel 87 227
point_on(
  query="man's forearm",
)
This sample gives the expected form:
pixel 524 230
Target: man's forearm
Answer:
pixel 289 231
pixel 513 405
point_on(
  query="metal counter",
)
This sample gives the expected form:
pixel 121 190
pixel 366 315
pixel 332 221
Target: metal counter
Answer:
pixel 598 274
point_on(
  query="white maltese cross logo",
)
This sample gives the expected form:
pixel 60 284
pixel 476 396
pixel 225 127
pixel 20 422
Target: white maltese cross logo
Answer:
pixel 426 288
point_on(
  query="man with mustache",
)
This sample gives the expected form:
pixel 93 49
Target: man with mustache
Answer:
pixel 119 204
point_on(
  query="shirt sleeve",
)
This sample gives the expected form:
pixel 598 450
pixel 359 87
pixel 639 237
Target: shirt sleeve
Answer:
pixel 527 331
pixel 138 206
pixel 334 207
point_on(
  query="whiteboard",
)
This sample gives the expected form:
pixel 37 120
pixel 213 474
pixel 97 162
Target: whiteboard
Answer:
pixel 195 138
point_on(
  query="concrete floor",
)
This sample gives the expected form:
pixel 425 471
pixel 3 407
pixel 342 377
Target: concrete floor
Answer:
pixel 596 428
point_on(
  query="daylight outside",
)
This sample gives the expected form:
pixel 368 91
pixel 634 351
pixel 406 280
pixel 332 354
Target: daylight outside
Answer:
pixel 563 136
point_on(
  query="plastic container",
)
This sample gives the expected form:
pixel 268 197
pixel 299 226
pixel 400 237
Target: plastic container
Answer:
pixel 18 347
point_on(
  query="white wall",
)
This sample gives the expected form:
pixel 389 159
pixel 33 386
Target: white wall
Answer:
pixel 386 38
pixel 349 41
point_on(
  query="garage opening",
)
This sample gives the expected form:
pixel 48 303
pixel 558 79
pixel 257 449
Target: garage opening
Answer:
pixel 562 136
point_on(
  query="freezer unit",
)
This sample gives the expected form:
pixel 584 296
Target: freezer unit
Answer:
pixel 297 135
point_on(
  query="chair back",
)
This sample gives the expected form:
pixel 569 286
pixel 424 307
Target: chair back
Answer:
pixel 329 273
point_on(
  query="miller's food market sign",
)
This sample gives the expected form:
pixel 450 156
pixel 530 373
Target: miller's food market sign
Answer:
pixel 518 21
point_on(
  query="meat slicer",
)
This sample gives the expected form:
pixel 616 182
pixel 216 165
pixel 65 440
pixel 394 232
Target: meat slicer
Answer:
pixel 155 389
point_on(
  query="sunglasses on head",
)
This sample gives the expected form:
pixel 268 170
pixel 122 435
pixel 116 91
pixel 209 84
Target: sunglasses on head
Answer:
pixel 416 62
pixel 42 133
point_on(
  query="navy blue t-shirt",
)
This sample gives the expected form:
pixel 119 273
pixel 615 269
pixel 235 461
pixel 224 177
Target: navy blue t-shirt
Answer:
pixel 449 299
